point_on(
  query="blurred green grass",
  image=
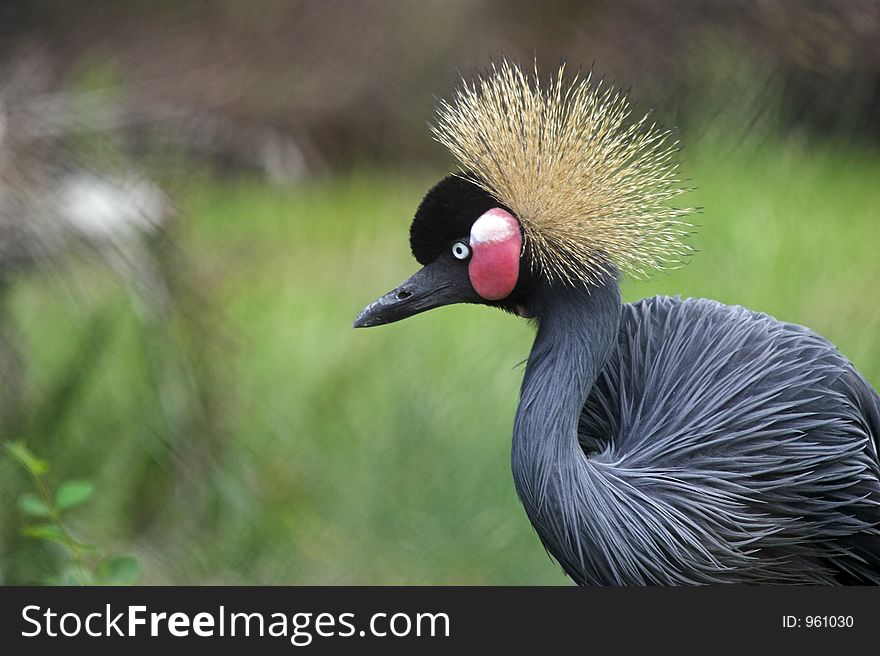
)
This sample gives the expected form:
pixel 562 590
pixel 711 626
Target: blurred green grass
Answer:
pixel 382 456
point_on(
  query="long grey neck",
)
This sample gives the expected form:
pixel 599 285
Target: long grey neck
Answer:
pixel 577 328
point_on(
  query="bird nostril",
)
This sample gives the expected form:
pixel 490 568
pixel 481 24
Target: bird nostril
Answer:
pixel 403 294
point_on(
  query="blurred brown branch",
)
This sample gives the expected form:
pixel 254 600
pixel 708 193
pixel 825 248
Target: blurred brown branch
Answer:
pixel 347 80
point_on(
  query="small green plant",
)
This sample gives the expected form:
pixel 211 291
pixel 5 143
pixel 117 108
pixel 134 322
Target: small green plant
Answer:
pixel 46 512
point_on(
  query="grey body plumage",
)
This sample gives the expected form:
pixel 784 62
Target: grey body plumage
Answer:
pixel 680 442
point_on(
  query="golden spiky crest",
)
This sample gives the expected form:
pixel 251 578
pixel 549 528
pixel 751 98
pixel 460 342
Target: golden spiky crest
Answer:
pixel 588 186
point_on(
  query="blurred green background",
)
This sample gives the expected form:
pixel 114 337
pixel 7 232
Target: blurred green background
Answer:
pixel 196 199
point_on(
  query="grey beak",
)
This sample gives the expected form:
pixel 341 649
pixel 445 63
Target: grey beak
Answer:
pixel 436 284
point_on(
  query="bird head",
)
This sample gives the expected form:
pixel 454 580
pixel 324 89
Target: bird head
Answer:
pixel 557 186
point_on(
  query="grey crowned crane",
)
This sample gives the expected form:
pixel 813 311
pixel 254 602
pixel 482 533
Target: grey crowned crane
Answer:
pixel 665 441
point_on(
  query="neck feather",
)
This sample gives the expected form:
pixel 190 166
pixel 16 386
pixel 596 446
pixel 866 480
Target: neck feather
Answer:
pixel 577 328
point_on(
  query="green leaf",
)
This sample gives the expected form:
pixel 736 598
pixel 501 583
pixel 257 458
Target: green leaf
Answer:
pixel 55 533
pixel 22 455
pixel 31 505
pixel 118 570
pixel 73 493
pixel 48 532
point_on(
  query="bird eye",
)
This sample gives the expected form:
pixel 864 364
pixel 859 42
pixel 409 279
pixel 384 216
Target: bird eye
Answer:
pixel 460 250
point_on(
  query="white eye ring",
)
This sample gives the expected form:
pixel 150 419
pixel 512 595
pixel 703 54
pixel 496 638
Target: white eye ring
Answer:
pixel 460 250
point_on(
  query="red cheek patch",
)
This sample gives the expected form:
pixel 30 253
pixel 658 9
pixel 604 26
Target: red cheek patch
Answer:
pixel 496 243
